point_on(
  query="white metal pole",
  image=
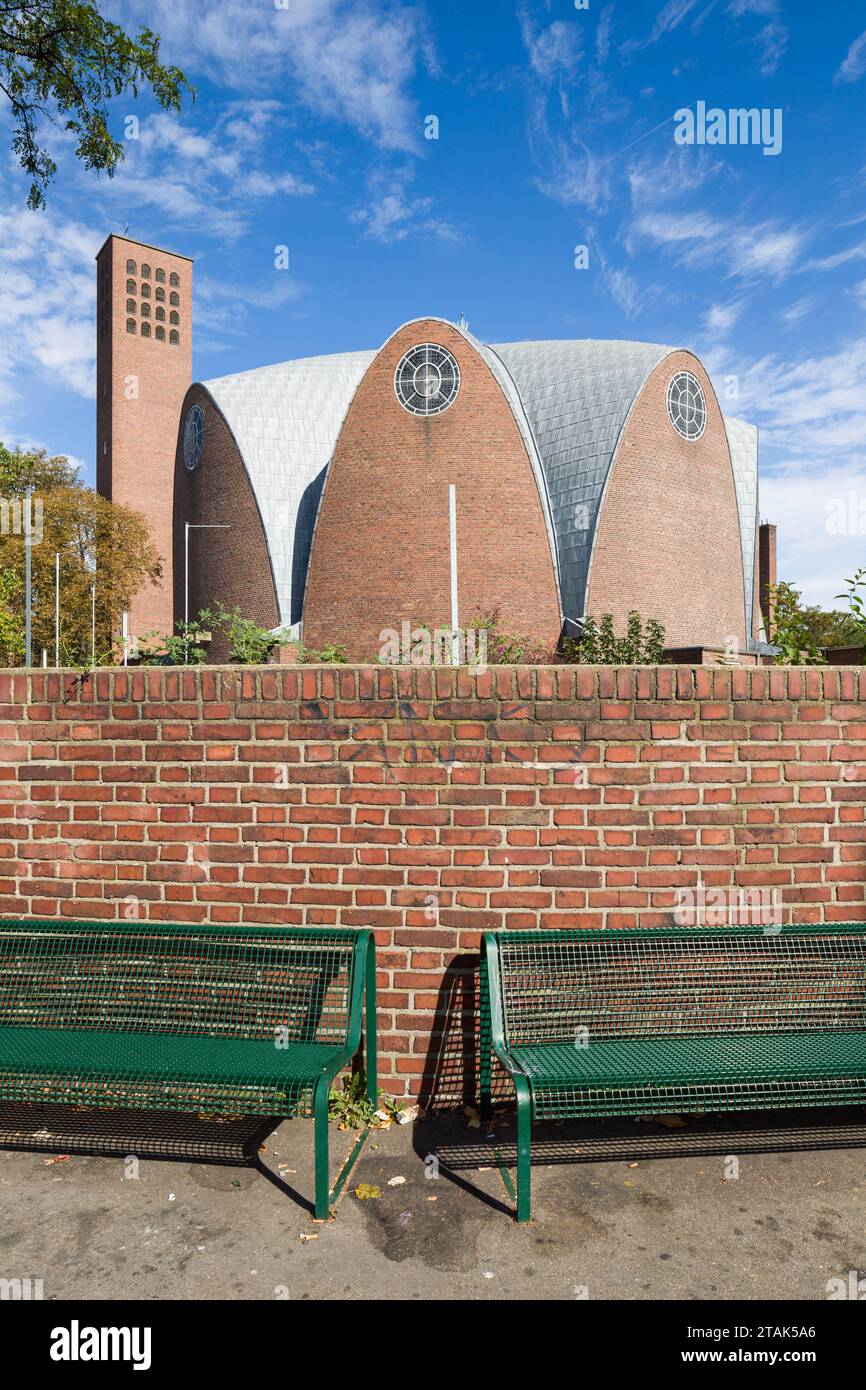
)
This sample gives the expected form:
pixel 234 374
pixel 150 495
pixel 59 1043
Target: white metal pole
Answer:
pixel 186 573
pixel 57 608
pixel 93 625
pixel 28 584
pixel 455 620
pixel 124 629
pixel 44 656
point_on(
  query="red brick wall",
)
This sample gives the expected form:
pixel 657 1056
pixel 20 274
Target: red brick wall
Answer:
pixel 668 538
pixel 381 551
pixel 430 806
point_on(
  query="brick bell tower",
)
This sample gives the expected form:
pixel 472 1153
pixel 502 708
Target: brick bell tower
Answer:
pixel 143 371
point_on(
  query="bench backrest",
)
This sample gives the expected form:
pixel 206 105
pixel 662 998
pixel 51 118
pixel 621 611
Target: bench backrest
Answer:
pixel 689 980
pixel 209 981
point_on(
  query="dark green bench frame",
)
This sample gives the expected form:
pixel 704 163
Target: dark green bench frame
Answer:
pixel 226 1020
pixel 649 1021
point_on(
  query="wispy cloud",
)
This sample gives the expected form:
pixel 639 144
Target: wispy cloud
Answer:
pixel 721 318
pixel 854 65
pixel 350 61
pixel 670 17
pixel 741 251
pixel 46 306
pixel 393 214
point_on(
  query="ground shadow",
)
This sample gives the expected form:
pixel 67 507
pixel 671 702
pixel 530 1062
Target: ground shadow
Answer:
pixel 144 1133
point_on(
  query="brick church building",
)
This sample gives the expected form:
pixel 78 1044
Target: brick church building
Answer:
pixel 345 495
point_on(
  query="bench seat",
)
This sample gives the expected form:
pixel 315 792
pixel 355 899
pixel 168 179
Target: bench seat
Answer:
pixel 161 1069
pixel 770 1062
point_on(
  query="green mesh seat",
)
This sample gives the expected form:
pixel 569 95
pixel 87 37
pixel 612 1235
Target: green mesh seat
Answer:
pixel 232 1021
pixel 649 1021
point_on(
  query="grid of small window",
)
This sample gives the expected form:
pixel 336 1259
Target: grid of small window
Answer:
pixel 144 311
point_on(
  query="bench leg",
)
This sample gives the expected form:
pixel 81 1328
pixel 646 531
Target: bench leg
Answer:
pixel 320 1115
pixel 370 1049
pixel 485 1045
pixel 524 1158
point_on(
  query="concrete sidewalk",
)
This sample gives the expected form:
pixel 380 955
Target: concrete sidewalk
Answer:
pixel 620 1227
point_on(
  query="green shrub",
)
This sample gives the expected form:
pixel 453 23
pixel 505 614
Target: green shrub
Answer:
pixel 598 644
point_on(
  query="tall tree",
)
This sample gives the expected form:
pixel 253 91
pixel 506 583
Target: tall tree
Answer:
pixel 61 60
pixel 99 542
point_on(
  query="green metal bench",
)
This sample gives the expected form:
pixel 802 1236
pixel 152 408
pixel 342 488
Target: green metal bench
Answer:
pixel 682 1019
pixel 224 1020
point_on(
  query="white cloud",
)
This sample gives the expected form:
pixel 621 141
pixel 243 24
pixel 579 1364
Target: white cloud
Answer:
pixel 797 311
pixel 670 17
pixel 351 61
pixel 47 277
pixel 698 239
pixel 721 318
pixel 811 414
pixel 803 502
pixel 555 50
pixel 392 214
pixel 851 253
pixel 603 35
pixel 854 65
pixel 766 250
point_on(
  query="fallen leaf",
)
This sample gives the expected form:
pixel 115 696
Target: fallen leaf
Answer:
pixel 669 1121
pixel 308 1235
pixel 396 1182
pixel 366 1191
pixel 59 1158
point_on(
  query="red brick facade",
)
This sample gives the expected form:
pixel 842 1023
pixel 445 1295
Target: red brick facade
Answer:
pixel 141 379
pixel 668 538
pixel 381 550
pixel 230 566
pixel 430 806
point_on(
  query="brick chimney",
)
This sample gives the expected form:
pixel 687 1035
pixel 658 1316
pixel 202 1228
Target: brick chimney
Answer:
pixel 768 578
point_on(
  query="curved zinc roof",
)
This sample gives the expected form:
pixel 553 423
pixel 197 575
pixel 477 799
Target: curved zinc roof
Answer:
pixel 577 396
pixel 571 400
pixel 285 420
pixel 743 444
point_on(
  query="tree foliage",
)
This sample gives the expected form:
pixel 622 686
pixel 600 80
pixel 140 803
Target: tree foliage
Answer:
pixel 802 630
pixel 60 60
pixel 98 541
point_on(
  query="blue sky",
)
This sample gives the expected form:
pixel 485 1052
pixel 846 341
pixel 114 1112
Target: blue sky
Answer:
pixel 556 129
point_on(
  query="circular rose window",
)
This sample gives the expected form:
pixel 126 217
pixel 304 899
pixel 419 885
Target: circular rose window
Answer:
pixel 687 406
pixel 427 380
